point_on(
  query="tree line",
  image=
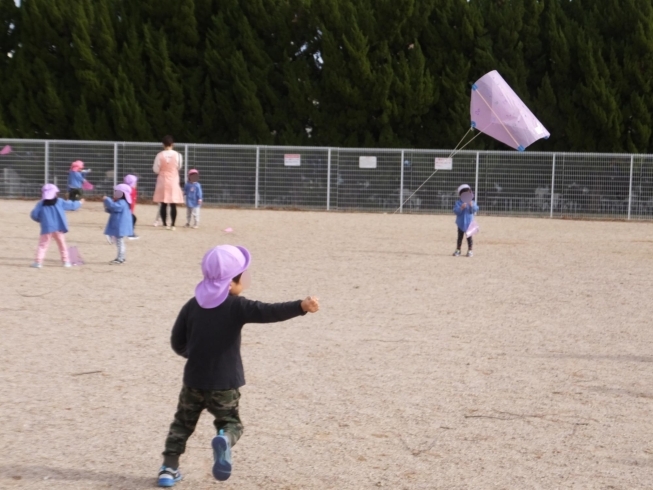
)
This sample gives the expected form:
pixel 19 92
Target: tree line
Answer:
pixel 350 73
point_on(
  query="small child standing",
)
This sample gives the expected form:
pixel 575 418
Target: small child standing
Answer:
pixel 120 223
pixel 207 333
pixel 464 209
pixel 193 193
pixel 76 178
pixel 132 182
pixel 50 213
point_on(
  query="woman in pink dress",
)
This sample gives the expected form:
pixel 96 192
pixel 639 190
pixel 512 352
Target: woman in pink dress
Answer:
pixel 167 165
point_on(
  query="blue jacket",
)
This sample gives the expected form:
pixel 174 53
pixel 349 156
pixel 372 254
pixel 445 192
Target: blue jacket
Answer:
pixel 53 218
pixel 120 222
pixel 464 216
pixel 193 192
pixel 76 179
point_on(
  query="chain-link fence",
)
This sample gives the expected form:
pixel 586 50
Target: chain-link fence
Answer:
pixel 587 185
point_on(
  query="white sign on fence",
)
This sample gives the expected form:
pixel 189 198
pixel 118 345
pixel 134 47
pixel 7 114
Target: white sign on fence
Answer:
pixel 443 163
pixel 292 160
pixel 367 162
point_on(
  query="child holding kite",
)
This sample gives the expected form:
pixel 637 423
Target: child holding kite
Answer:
pixel 76 178
pixel 49 213
pixel 207 333
pixel 464 209
pixel 120 224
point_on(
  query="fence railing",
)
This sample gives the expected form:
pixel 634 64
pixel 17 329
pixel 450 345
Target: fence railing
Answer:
pixel 588 185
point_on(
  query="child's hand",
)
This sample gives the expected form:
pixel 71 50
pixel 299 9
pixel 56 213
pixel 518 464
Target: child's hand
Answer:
pixel 82 201
pixel 311 304
pixel 463 206
pixel 104 198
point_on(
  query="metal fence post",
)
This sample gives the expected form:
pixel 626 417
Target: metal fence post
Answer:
pixel 328 200
pixel 186 162
pixel 630 185
pixel 476 181
pixel 401 185
pixel 115 164
pixel 47 162
pixel 258 151
pixel 553 181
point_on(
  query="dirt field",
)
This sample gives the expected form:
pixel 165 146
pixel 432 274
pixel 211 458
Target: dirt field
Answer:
pixel 527 366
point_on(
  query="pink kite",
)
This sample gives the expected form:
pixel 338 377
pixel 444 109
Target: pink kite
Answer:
pixel 75 256
pixel 472 229
pixel 87 186
pixel 497 111
pixel 6 150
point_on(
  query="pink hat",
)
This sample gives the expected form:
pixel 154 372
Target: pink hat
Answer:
pixel 49 191
pixel 77 165
pixel 219 266
pixel 193 171
pixel 126 190
pixel 131 180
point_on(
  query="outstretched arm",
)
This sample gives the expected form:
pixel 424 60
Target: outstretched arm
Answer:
pixel 36 212
pixel 258 312
pixel 71 205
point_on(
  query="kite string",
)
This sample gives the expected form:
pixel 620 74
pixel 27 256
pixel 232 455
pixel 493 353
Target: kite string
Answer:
pixel 453 152
pixel 497 116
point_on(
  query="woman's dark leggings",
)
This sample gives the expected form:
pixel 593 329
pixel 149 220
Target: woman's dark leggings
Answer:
pixel 173 214
pixel 461 234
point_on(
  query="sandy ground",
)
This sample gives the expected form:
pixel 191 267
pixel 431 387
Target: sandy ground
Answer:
pixel 527 366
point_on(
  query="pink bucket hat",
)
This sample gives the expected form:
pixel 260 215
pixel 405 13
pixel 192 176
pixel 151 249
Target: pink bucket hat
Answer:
pixel 126 190
pixel 76 165
pixel 219 266
pixel 131 180
pixel 49 191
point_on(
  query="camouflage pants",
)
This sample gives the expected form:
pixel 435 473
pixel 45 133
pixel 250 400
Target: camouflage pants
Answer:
pixel 223 405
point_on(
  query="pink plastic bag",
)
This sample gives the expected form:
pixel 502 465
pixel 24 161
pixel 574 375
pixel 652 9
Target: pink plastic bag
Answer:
pixel 75 256
pixel 472 229
pixel 87 186
pixel 6 150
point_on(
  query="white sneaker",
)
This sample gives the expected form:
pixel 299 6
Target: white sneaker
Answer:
pixel 67 264
pixel 36 265
pixel 470 253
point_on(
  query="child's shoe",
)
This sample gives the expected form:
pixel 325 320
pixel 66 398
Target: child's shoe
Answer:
pixel 116 262
pixel 36 265
pixel 133 237
pixel 109 239
pixel 187 225
pixel 67 264
pixel 456 253
pixel 168 477
pixel 221 457
pixel 195 227
pixel 470 253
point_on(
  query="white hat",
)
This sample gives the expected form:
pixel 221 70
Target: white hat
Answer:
pixel 464 187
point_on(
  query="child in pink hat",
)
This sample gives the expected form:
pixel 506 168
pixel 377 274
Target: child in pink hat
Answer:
pixel 132 182
pixel 50 213
pixel 193 195
pixel 207 333
pixel 76 178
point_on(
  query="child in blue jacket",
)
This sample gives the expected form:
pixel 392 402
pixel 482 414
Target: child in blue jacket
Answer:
pixel 50 213
pixel 464 216
pixel 193 193
pixel 76 177
pixel 120 225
